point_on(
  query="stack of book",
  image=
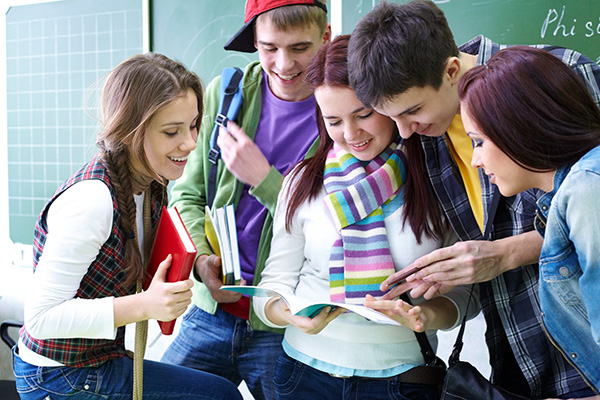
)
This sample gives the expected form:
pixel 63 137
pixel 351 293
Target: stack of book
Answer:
pixel 221 233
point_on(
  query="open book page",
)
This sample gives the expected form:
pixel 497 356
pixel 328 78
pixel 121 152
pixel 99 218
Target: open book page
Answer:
pixel 307 308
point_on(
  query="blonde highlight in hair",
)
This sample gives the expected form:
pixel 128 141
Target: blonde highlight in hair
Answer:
pixel 133 93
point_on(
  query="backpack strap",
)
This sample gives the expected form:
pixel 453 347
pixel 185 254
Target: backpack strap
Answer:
pixel 230 102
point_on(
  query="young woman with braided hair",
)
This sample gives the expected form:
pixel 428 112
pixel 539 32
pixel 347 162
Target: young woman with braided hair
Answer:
pixel 91 242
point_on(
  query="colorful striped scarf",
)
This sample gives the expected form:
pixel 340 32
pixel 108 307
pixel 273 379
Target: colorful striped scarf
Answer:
pixel 360 257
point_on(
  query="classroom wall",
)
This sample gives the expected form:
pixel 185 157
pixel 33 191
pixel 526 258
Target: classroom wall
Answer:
pixel 10 300
pixel 194 32
pixel 50 47
pixel 5 243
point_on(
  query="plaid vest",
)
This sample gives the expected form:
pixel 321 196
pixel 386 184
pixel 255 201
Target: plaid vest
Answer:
pixel 103 279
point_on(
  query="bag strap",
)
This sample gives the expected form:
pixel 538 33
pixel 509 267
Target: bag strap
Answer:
pixel 426 349
pixel 458 344
pixel 230 104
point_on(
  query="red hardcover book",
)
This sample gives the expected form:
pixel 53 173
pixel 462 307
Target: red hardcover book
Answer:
pixel 171 238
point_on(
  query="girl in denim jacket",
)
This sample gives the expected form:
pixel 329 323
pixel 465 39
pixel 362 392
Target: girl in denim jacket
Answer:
pixel 535 126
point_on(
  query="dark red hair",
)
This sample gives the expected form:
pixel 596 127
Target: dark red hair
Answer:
pixel 531 105
pixel 330 67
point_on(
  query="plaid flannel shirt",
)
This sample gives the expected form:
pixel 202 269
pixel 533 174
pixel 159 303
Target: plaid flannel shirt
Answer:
pixel 103 279
pixel 510 302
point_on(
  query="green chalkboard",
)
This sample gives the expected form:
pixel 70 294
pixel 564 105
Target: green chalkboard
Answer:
pixel 56 50
pixel 194 33
pixel 574 24
pixel 54 53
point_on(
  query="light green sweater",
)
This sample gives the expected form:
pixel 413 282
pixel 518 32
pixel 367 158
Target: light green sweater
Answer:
pixel 190 191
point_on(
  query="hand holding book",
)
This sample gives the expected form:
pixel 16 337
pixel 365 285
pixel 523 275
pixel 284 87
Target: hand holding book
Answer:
pixel 173 239
pixel 166 301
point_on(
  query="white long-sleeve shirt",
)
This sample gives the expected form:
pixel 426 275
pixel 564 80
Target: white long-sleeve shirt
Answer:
pixel 79 222
pixel 349 345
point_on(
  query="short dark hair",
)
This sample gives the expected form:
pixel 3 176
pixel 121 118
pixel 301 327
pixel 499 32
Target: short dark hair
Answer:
pixel 396 47
pixel 532 106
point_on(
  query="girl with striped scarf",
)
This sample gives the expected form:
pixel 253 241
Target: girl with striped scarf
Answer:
pixel 349 217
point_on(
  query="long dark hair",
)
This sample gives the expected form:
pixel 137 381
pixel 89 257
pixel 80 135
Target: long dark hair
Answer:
pixel 533 107
pixel 329 67
pixel 134 92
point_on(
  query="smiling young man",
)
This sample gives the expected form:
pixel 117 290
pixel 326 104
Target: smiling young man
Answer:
pixel 277 128
pixel 416 85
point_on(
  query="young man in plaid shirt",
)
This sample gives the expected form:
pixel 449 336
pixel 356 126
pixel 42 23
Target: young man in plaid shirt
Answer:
pixel 416 85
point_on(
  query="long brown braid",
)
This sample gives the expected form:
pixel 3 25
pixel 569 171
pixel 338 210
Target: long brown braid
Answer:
pixel 116 165
pixel 118 171
pixel 134 92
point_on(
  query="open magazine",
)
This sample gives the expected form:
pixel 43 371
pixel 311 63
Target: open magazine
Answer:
pixel 307 308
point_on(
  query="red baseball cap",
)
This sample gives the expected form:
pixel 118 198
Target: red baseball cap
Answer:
pixel 243 40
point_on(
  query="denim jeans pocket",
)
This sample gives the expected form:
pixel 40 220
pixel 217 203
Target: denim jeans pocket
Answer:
pixel 194 309
pixel 37 382
pixel 288 373
pixel 407 391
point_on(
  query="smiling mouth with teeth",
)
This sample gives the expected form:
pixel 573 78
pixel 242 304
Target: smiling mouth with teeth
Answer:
pixel 178 159
pixel 288 77
pixel 361 144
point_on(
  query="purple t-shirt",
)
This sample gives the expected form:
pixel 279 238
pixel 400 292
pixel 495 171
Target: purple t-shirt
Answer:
pixel 285 132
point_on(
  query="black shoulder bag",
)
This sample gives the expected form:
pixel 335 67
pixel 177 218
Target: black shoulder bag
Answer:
pixel 463 381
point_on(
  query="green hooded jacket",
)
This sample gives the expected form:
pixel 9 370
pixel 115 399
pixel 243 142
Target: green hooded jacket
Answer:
pixel 190 191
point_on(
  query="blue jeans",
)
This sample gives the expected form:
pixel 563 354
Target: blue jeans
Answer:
pixel 114 380
pixel 297 381
pixel 226 345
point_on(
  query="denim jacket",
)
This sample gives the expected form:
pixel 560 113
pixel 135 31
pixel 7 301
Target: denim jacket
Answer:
pixel 569 221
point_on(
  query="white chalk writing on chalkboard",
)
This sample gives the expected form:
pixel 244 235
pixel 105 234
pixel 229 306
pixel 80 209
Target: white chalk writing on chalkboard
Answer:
pixel 556 24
